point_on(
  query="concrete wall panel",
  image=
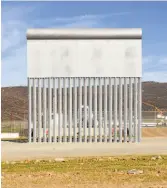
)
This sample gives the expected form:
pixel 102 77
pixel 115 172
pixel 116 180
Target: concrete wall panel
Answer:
pixel 78 57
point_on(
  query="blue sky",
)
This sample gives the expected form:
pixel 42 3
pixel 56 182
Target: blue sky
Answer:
pixel 18 16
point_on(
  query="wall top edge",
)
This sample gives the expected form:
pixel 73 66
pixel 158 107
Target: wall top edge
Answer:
pixel 61 77
pixel 89 33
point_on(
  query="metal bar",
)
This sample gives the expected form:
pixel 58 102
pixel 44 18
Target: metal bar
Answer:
pixel 115 109
pixel 120 109
pixel 44 110
pixel 80 109
pixel 90 110
pixel 100 109
pixel 29 110
pixel 130 109
pixel 85 108
pixel 75 109
pixel 70 110
pixel 125 109
pixel 64 110
pixel 105 109
pixel 49 110
pixel 73 104
pixel 60 111
pixel 110 110
pixel 95 110
pixel 139 109
pixel 54 110
pixel 135 109
pixel 34 110
pixel 39 110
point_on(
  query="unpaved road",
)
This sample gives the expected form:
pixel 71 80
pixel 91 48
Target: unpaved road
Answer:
pixel 154 132
pixel 22 151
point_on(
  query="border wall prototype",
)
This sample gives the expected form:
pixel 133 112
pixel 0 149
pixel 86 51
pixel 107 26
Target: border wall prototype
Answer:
pixel 84 85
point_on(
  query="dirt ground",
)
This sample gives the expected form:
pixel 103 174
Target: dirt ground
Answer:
pixel 154 132
pixel 44 180
pixel 22 151
pixel 110 172
pixel 99 172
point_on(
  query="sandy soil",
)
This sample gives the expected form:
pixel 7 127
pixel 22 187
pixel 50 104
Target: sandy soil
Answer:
pixel 72 180
pixel 154 132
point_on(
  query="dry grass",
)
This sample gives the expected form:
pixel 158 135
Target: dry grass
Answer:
pixel 87 172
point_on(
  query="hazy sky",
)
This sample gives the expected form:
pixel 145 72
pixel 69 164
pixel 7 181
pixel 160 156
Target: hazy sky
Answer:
pixel 18 16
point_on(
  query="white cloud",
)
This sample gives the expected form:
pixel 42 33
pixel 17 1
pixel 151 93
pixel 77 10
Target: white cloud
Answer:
pixel 154 68
pixel 13 27
pixel 83 23
pixel 154 61
pixel 16 12
pixel 163 61
pixel 148 60
pixel 155 76
pixel 16 20
pixel 11 36
pixel 15 24
pixel 14 68
pixel 79 18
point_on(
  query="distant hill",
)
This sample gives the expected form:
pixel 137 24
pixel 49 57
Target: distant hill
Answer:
pixel 155 93
pixel 14 100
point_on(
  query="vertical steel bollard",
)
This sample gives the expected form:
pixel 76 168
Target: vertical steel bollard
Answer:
pixel 105 110
pixel 29 110
pixel 130 110
pixel 54 110
pixel 135 110
pixel 49 110
pixel 125 110
pixel 139 109
pixel 90 110
pixel 115 109
pixel 110 110
pixel 120 109
pixel 34 111
pixel 39 110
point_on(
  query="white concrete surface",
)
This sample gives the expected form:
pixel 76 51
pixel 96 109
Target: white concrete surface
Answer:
pixel 22 151
pixel 9 135
pixel 103 53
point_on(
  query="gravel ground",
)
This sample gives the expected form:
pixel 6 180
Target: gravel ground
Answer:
pixel 22 151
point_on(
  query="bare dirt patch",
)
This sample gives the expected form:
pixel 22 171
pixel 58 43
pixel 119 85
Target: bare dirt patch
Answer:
pixel 154 132
pixel 87 172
